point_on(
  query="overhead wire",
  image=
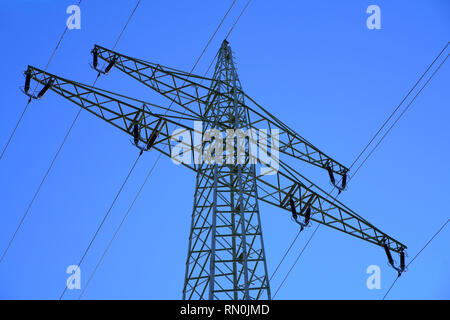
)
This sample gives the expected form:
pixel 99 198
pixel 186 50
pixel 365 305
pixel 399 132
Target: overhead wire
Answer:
pixel 38 190
pixel 13 133
pixel 372 150
pixel 104 219
pixel 296 260
pixel 126 178
pixel 400 116
pixel 285 255
pixel 116 232
pixel 228 35
pixel 53 161
pixel 399 105
pixel 29 100
pixel 159 155
pixel 412 260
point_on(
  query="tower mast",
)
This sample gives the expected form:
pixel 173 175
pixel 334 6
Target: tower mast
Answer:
pixel 226 257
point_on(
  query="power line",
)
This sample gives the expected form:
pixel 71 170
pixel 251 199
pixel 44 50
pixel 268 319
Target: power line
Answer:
pixel 392 285
pixel 39 188
pixel 295 262
pixel 127 177
pixel 159 155
pixel 399 105
pixel 15 128
pixel 366 159
pixel 400 116
pixel 104 219
pixel 370 142
pixel 126 24
pixel 286 253
pixel 117 231
pixel 228 35
pixel 29 101
pixel 237 20
pixel 426 245
pixel 428 242
pixel 54 159
pixel 210 39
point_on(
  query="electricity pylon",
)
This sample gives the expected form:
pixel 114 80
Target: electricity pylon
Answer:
pixel 226 256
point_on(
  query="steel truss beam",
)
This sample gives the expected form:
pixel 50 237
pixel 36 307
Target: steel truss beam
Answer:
pixel 194 93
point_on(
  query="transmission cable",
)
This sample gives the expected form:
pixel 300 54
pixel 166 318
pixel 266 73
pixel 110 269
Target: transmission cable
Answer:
pixel 159 155
pixel 237 20
pixel 117 231
pixel 399 105
pixel 53 161
pixel 371 152
pixel 350 178
pixel 285 255
pixel 400 116
pixel 429 241
pixel 129 173
pixel 29 101
pixel 228 35
pixel 104 219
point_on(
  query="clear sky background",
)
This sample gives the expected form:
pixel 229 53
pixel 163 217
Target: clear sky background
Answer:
pixel 314 64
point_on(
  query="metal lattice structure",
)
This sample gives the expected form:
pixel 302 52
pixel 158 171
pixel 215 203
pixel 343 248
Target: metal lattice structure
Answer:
pixel 226 256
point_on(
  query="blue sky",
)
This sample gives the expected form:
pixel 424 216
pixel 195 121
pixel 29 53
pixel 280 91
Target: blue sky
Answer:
pixel 314 64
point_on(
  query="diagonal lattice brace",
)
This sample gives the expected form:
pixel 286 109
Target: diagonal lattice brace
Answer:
pixel 122 112
pixel 195 93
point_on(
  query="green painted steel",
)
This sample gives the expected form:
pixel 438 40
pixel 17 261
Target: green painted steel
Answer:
pixel 226 258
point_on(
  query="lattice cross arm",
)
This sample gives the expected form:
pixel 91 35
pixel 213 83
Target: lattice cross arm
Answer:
pixel 123 112
pixel 286 184
pixel 189 90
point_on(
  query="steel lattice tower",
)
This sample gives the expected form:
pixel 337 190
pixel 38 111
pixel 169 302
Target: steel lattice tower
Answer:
pixel 226 258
